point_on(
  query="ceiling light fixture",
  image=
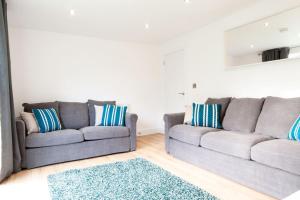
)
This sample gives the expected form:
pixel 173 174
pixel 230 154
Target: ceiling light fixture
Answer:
pixel 72 12
pixel 147 26
pixel 266 24
pixel 187 1
pixel 252 46
pixel 299 35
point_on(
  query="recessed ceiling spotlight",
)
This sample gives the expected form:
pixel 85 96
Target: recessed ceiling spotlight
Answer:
pixel 147 26
pixel 252 46
pixel 187 1
pixel 72 12
pixel 267 24
pixel 299 35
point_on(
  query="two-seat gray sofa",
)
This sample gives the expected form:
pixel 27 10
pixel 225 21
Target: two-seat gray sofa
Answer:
pixel 78 139
pixel 251 149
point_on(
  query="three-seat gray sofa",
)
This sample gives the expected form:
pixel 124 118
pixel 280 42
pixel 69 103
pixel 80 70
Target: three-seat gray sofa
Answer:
pixel 251 149
pixel 78 139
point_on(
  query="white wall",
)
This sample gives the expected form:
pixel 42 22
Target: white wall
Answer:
pixel 205 61
pixel 51 66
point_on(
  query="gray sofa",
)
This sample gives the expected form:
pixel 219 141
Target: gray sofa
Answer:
pixel 251 149
pixel 78 139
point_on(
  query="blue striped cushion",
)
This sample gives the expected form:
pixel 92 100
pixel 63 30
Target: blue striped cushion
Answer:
pixel 47 120
pixel 294 133
pixel 207 115
pixel 113 115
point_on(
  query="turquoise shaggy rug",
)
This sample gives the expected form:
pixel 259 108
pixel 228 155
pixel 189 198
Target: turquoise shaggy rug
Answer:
pixel 136 179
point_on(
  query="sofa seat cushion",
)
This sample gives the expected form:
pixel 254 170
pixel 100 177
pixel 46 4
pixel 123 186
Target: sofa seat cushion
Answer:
pixel 189 134
pixel 104 132
pixel 61 137
pixel 280 153
pixel 232 143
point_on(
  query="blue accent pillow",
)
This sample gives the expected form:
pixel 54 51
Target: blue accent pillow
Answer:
pixel 294 133
pixel 207 115
pixel 113 115
pixel 47 120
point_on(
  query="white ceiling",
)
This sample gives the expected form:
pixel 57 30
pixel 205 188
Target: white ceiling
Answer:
pixel 121 19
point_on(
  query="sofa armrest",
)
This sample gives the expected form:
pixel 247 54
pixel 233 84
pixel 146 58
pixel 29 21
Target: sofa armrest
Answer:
pixel 130 121
pixel 170 121
pixel 21 132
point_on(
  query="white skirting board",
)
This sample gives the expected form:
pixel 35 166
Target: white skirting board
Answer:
pixel 142 132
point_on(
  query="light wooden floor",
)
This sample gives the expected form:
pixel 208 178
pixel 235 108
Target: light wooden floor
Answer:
pixel 32 184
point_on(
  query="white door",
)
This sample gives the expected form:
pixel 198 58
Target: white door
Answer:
pixel 174 82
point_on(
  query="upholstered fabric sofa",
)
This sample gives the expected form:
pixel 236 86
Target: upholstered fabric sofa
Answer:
pixel 78 139
pixel 251 149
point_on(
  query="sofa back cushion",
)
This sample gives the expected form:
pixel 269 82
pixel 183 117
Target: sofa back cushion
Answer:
pixel 28 107
pixel 91 104
pixel 277 116
pixel 242 114
pixel 224 102
pixel 74 115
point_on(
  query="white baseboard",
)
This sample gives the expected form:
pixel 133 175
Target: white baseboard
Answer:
pixel 142 132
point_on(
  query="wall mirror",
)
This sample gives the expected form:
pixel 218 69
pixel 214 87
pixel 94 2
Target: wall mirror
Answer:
pixel 268 40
